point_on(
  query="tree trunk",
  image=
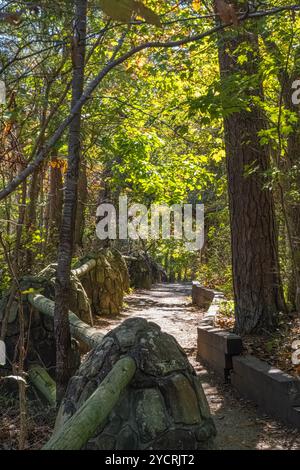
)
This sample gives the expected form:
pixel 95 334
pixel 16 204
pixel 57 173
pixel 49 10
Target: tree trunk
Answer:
pixel 55 201
pixel 289 164
pixel 256 275
pixel 19 230
pixel 66 243
pixel 291 180
pixel 33 194
pixel 82 199
pixel 81 426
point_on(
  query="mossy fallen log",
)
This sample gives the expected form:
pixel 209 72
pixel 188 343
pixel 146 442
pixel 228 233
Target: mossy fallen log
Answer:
pixel 85 268
pixel 93 413
pixel 80 330
pixel 130 258
pixel 40 378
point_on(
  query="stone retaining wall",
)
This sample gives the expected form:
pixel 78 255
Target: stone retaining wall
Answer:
pixel 106 284
pixel 144 271
pixel 39 334
pixel 100 291
pixel 274 391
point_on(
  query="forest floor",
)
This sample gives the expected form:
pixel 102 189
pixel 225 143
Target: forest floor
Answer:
pixel 40 420
pixel 273 347
pixel 239 425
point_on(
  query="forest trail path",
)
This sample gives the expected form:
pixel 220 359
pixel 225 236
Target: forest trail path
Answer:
pixel 238 423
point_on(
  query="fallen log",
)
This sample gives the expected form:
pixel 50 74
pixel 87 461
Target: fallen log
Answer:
pixel 129 258
pixel 43 382
pixel 79 330
pixel 82 425
pixel 85 268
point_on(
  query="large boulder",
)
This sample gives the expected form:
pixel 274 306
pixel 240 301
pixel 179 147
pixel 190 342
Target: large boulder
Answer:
pixel 163 408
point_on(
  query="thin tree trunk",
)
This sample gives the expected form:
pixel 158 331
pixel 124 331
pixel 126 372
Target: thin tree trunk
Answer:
pixel 256 276
pixel 55 201
pixel 289 165
pixel 20 352
pixel 291 180
pixel 82 199
pixel 66 243
pixel 33 193
pixel 19 370
pixel 19 229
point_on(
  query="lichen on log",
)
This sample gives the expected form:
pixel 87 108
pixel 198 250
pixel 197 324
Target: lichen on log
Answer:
pixel 40 378
pixel 85 268
pixel 82 425
pixel 80 330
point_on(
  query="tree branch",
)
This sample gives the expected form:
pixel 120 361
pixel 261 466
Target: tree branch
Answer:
pixel 102 74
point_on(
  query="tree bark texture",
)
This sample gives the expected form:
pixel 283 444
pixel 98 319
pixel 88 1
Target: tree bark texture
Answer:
pixel 256 275
pixel 66 242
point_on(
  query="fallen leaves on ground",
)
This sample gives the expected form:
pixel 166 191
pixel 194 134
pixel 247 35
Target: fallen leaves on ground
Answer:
pixel 274 348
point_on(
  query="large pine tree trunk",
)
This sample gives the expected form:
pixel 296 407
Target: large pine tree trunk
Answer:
pixel 256 277
pixel 66 243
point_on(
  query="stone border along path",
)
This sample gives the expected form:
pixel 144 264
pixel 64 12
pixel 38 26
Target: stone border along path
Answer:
pixel 239 425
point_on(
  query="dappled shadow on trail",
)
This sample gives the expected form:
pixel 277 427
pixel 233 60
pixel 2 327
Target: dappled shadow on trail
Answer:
pixel 239 425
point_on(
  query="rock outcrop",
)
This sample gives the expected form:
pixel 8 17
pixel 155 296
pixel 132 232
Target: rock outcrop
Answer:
pixel 163 408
